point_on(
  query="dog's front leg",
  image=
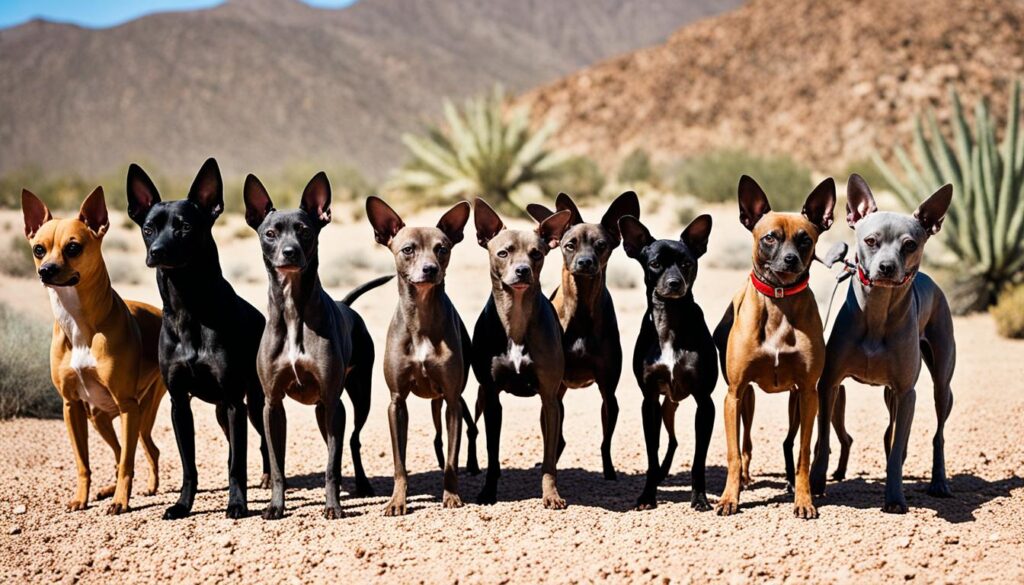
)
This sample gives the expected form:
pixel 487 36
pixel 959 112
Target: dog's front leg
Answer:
pixel 185 434
pixel 827 395
pixel 131 418
pixel 803 504
pixel 398 420
pixel 729 503
pixel 704 425
pixel 237 428
pixel 435 414
pixel 904 402
pixel 551 414
pixel 104 425
pixel 335 417
pixel 650 414
pixel 492 423
pixel 453 415
pixel 75 419
pixel 275 424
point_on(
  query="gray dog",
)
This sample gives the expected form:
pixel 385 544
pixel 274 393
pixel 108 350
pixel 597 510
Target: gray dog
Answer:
pixel 894 316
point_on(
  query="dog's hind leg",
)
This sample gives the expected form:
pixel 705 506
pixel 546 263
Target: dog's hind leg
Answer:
pixel 334 414
pixel 488 398
pixel 472 463
pixel 451 498
pixel 890 405
pixel 359 386
pixel 150 407
pixel 668 418
pixel 787 444
pixel 609 417
pixel 747 417
pixel 939 353
pixel 845 440
pixel 561 422
pixel 254 401
pixel 237 448
pixel 104 425
pixel 435 414
pixel 650 413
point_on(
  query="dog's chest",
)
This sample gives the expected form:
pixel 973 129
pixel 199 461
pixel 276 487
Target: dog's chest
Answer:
pixel 426 366
pixel 67 310
pixel 672 368
pixel 513 371
pixel 779 361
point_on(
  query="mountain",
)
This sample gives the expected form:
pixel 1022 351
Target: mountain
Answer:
pixel 262 83
pixel 826 82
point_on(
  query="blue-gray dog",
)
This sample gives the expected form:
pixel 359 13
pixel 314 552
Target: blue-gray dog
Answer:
pixel 894 316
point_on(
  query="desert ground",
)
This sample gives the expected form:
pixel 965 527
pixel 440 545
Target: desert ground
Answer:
pixel 976 536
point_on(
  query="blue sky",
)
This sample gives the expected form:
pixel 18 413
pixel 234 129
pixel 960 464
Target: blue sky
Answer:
pixel 102 13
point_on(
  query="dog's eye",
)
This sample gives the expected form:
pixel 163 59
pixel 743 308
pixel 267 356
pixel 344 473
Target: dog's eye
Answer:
pixel 38 251
pixel 654 264
pixel 804 242
pixel 270 234
pixel 408 250
pixel 147 231
pixel 73 249
pixel 870 242
pixel 909 246
pixel 442 250
pixel 569 246
pixel 769 239
pixel 186 226
pixel 502 253
pixel 600 245
pixel 536 255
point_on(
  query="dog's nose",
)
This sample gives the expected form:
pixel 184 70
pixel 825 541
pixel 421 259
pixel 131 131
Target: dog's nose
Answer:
pixel 674 283
pixel 48 270
pixel 430 269
pixel 791 259
pixel 887 268
pixel 156 253
pixel 585 263
pixel 290 252
pixel 523 271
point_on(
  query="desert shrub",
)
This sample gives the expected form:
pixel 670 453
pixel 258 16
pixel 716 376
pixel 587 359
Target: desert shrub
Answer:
pixel 636 168
pixel 483 150
pixel 714 177
pixel 25 385
pixel 17 259
pixel 580 177
pixel 984 227
pixel 1008 312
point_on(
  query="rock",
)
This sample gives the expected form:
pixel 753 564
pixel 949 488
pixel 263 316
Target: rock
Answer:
pixel 20 509
pixel 14 530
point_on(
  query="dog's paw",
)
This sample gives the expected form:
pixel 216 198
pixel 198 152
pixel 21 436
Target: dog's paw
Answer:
pixel 895 507
pixel 396 507
pixel 645 502
pixel 553 501
pixel 273 512
pixel 745 481
pixel 727 506
pixel 106 491
pixel 265 481
pixel 76 505
pixel 817 486
pixel 487 496
pixel 473 468
pixel 789 487
pixel 699 502
pixel 451 500
pixel 116 508
pixel 837 475
pixel 150 491
pixel 333 512
pixel 236 511
pixel 364 489
pixel 805 510
pixel 939 489
pixel 175 512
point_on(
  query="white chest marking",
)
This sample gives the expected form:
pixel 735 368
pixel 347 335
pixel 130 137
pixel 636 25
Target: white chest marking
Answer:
pixel 579 347
pixel 293 328
pixel 518 356
pixel 423 350
pixel 67 310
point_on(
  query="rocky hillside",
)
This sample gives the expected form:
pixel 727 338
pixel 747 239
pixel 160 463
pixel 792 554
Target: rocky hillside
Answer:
pixel 261 83
pixel 824 81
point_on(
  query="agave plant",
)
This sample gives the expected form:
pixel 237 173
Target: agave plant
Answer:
pixel 482 151
pixel 984 227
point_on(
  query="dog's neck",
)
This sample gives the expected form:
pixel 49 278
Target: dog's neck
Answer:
pixel 88 303
pixel 881 305
pixel 297 295
pixel 422 307
pixel 516 309
pixel 669 315
pixel 581 295
pixel 179 287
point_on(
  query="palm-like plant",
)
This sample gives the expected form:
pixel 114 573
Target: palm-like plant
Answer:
pixel 481 151
pixel 984 227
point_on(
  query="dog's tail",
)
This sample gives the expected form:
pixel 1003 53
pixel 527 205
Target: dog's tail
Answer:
pixel 365 287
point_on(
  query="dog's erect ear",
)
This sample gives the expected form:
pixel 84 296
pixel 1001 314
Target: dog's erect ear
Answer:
pixel 820 204
pixel 316 198
pixel 538 212
pixel 696 235
pixel 565 203
pixel 257 202
pixel 488 224
pixel 207 190
pixel 553 228
pixel 384 220
pixel 93 213
pixel 859 200
pixel 142 193
pixel 35 211
pixel 453 222
pixel 753 202
pixel 933 210
pixel 635 236
pixel 626 204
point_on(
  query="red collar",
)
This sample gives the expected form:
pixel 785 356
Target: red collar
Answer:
pixel 778 292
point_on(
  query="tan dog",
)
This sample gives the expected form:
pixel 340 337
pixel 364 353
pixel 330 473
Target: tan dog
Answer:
pixel 771 335
pixel 103 359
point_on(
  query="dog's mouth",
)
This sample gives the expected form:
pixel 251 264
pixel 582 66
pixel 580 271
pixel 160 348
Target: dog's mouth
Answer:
pixel 288 268
pixel 588 272
pixel 75 278
pixel 163 264
pixel 671 294
pixel 519 286
pixel 784 275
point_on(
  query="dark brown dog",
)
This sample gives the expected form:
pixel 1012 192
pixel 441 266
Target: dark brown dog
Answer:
pixel 428 346
pixel 593 352
pixel 771 335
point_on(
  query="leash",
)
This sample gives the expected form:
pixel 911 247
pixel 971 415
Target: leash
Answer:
pixel 837 255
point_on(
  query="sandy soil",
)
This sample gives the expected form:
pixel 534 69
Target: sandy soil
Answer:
pixel 977 536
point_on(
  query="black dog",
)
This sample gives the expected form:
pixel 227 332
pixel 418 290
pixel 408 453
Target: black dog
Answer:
pixel 209 337
pixel 675 355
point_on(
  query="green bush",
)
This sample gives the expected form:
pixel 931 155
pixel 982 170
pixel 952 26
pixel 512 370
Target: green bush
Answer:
pixel 25 385
pixel 1009 313
pixel 714 176
pixel 580 177
pixel 636 168
pixel 17 260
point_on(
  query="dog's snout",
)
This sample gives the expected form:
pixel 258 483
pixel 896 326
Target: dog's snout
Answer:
pixel 156 253
pixel 431 269
pixel 48 270
pixel 887 268
pixel 585 262
pixel 674 283
pixel 290 252
pixel 522 271
pixel 791 259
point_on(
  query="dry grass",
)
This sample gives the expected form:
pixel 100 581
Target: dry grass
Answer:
pixel 25 385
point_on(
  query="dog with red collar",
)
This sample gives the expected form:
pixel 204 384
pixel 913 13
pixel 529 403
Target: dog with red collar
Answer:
pixel 894 317
pixel 771 335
